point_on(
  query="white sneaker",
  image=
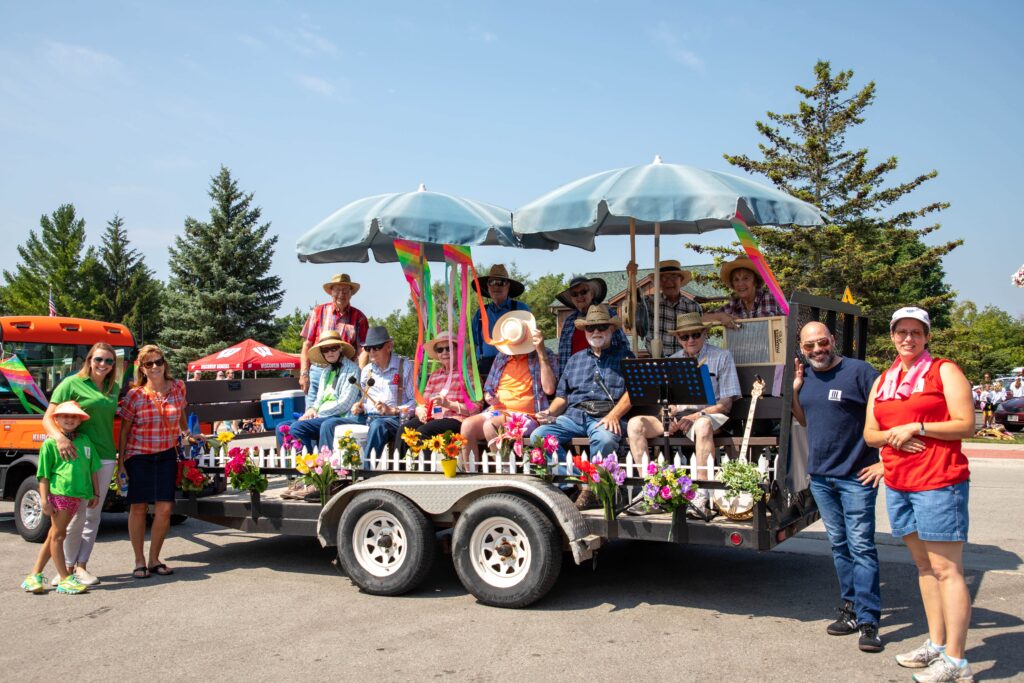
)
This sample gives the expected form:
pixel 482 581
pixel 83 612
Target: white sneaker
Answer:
pixel 942 670
pixel 56 578
pixel 85 578
pixel 919 658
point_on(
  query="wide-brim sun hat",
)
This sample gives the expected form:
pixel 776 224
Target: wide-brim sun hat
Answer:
pixel 498 270
pixel 725 274
pixel 329 338
pixel 672 266
pixel 431 346
pixel 513 333
pixel 71 408
pixel 341 279
pixel 912 312
pixel 598 286
pixel 689 322
pixel 598 315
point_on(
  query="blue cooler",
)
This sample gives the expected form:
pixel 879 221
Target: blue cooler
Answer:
pixel 279 406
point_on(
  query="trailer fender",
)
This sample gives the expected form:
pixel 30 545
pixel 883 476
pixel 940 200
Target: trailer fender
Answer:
pixel 440 497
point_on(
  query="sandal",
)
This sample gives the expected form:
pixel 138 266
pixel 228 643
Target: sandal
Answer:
pixel 161 569
pixel 140 572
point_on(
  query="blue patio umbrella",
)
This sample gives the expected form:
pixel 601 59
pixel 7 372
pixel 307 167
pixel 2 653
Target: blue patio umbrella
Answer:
pixel 652 199
pixel 432 218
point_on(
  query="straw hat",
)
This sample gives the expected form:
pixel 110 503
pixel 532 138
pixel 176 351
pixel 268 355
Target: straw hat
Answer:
pixel 498 270
pixel 672 266
pixel 431 346
pixel 513 333
pixel 71 408
pixel 689 322
pixel 341 279
pixel 725 274
pixel 329 338
pixel 598 315
pixel 597 285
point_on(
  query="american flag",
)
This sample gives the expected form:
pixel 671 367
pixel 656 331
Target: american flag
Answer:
pixel 53 308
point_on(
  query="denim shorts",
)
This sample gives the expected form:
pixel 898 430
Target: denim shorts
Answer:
pixel 936 515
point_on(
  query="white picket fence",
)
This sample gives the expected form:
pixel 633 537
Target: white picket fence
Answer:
pixel 390 460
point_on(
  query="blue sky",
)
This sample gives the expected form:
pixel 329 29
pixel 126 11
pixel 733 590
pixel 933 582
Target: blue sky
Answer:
pixel 130 107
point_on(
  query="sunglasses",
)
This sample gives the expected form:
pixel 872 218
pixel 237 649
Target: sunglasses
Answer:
pixel 597 328
pixel 496 282
pixel 444 349
pixel 822 343
pixel 579 293
pixel 330 349
pixel 158 363
pixel 102 361
pixel 375 347
pixel 687 336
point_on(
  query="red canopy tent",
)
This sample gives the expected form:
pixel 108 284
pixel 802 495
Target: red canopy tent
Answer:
pixel 247 355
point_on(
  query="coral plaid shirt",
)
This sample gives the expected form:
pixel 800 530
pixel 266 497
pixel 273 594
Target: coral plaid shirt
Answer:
pixel 456 394
pixel 765 306
pixel 352 326
pixel 156 420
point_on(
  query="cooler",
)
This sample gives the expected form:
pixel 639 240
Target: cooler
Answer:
pixel 279 406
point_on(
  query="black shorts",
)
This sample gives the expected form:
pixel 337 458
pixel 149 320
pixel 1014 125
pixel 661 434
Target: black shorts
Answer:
pixel 151 476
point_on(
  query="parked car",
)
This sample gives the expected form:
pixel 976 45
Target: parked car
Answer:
pixel 1010 414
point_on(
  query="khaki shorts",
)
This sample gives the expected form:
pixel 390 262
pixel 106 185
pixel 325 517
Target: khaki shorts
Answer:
pixel 717 421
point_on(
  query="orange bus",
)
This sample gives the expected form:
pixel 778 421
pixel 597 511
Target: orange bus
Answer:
pixel 51 348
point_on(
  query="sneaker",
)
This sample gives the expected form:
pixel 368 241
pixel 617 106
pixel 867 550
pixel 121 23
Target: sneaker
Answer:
pixel 846 623
pixel 944 670
pixel 71 586
pixel 84 577
pixel 34 583
pixel 869 640
pixel 310 494
pixel 919 658
pixel 587 500
pixel 291 492
pixel 56 577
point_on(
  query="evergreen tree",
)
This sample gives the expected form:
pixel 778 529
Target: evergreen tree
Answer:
pixel 291 330
pixel 878 253
pixel 220 291
pixel 127 291
pixel 54 261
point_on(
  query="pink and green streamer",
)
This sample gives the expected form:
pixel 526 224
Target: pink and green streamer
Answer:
pixel 754 254
pixel 21 382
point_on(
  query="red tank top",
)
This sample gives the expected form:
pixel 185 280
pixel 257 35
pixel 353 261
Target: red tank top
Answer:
pixel 941 463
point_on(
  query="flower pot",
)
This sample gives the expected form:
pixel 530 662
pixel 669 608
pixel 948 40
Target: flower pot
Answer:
pixel 449 467
pixel 254 504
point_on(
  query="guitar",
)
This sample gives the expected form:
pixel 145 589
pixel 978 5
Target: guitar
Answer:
pixel 741 507
pixel 756 390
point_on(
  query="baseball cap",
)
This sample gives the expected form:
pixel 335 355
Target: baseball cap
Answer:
pixel 910 312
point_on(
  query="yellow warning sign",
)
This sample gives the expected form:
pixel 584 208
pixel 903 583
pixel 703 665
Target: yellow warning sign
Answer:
pixel 848 297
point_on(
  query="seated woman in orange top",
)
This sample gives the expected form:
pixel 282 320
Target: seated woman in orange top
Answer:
pixel 522 377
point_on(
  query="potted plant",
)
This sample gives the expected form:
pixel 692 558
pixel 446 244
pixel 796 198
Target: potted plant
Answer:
pixel 743 482
pixel 244 475
pixel 448 447
pixel 320 470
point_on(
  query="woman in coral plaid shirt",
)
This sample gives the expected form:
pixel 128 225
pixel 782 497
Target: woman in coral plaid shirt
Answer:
pixel 446 408
pixel 152 421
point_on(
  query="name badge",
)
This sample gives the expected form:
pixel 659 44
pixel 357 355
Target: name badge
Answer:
pixel 835 395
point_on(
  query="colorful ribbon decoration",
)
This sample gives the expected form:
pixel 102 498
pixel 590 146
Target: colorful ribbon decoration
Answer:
pixel 460 262
pixel 754 253
pixel 20 379
pixel 417 274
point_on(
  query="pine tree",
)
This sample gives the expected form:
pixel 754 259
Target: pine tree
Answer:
pixel 127 290
pixel 220 291
pixel 53 260
pixel 878 253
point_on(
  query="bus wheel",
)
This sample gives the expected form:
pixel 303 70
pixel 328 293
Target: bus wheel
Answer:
pixel 29 519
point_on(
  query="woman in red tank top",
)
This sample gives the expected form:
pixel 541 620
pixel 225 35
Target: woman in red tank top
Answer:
pixel 918 412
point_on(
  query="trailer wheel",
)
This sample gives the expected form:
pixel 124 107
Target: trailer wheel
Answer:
pixel 385 543
pixel 29 519
pixel 507 553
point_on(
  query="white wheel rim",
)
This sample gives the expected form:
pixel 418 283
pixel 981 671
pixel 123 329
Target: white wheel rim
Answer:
pixel 500 552
pixel 380 543
pixel 31 510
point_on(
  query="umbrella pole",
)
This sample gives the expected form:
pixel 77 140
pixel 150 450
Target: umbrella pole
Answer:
pixel 632 283
pixel 656 342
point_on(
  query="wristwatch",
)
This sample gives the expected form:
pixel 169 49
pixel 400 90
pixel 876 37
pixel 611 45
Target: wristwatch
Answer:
pixel 702 414
pixel 920 432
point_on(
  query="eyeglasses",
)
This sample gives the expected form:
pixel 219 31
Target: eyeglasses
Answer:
pixel 496 282
pixel 375 347
pixel 904 334
pixel 822 343
pixel 158 363
pixel 330 349
pixel 579 293
pixel 688 336
pixel 444 349
pixel 102 361
pixel 597 328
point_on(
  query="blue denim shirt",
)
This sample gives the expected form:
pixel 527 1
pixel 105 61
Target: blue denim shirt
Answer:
pixel 494 311
pixel 540 400
pixel 579 383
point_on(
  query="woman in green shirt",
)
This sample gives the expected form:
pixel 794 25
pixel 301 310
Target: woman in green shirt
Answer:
pixel 95 387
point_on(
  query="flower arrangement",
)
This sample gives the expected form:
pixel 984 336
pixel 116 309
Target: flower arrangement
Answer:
pixel 350 451
pixel 223 439
pixel 540 450
pixel 740 476
pixel 190 478
pixel 1018 278
pixel 604 476
pixel 510 436
pixel 320 470
pixel 448 445
pixel 666 489
pixel 243 472
pixel 288 441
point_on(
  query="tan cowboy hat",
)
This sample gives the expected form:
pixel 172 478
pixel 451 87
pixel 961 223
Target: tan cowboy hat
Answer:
pixel 71 408
pixel 329 338
pixel 689 322
pixel 598 315
pixel 598 286
pixel 341 279
pixel 725 274
pixel 498 270
pixel 672 266
pixel 431 346
pixel 513 333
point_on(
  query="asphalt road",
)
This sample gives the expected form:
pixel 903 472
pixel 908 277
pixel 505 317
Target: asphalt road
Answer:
pixel 256 607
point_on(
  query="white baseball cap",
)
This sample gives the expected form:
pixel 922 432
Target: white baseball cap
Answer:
pixel 910 312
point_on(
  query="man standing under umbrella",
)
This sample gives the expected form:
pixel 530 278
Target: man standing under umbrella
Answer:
pixel 337 315
pixel 673 278
pixel 503 292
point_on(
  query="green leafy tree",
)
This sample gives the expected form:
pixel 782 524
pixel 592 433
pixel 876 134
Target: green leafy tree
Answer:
pixel 291 330
pixel 869 246
pixel 990 340
pixel 127 292
pixel 539 295
pixel 221 290
pixel 54 260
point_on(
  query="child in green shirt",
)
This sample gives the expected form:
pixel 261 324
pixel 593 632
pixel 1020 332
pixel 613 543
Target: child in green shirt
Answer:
pixel 63 485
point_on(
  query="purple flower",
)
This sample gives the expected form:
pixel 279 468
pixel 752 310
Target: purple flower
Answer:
pixel 666 493
pixel 689 494
pixel 597 460
pixel 652 468
pixel 611 464
pixel 620 476
pixel 650 490
pixel 685 483
pixel 671 468
pixel 595 477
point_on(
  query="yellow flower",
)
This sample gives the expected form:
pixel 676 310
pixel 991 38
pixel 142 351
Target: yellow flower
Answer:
pixel 434 443
pixel 301 467
pixel 224 437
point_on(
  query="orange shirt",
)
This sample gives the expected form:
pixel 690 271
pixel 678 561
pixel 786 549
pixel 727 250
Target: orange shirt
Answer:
pixel 515 388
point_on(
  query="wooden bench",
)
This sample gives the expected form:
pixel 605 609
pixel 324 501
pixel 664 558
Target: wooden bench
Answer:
pixel 233 399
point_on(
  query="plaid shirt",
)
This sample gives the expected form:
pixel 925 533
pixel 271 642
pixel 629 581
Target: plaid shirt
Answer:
pixel 667 312
pixel 456 393
pixel 156 421
pixel 569 327
pixel 724 380
pixel 579 379
pixel 392 385
pixel 494 311
pixel 352 326
pixel 765 306
pixel 540 399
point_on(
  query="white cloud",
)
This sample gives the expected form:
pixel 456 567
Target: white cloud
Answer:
pixel 251 41
pixel 80 61
pixel 674 48
pixel 317 43
pixel 315 84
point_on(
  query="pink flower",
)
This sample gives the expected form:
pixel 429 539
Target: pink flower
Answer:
pixel 666 492
pixel 652 468
pixel 318 469
pixel 550 443
pixel 285 429
pixel 689 494
pixel 536 456
pixel 325 452
pixel 595 477
pixel 517 448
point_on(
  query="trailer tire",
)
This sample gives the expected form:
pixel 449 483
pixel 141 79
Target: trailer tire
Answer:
pixel 29 519
pixel 386 544
pixel 507 552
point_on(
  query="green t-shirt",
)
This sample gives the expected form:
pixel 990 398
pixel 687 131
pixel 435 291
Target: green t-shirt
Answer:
pixel 101 409
pixel 69 477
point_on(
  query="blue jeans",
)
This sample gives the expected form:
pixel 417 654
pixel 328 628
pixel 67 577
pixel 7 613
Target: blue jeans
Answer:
pixel 565 429
pixel 848 509
pixel 382 432
pixel 306 431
